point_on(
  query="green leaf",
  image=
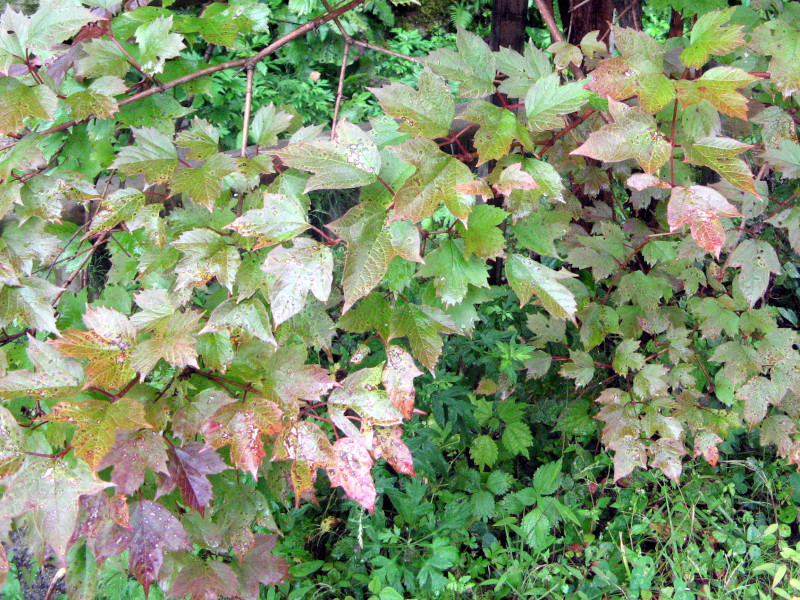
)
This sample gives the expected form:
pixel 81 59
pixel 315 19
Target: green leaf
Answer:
pixel 53 23
pixel 426 113
pixel 452 273
pixel 482 237
pixel 201 140
pixel 527 277
pixel 268 122
pixel 19 101
pixel 98 100
pixel 204 184
pixel 709 35
pixel 757 394
pixel 522 70
pixel 483 451
pixel 780 39
pixel 372 243
pixel 422 325
pixel 282 218
pixel 31 303
pixel 472 66
pixel 157 44
pixel 119 206
pixel 53 375
pixel 701 208
pixel 786 157
pixel 154 155
pixel 719 153
pixel 633 134
pixel 548 101
pixel 81 580
pixel 373 312
pixel 758 259
pixel 351 161
pixel 580 367
pixel 626 357
pixel 499 127
pixel 207 255
pixel 517 438
pixel 546 477
pixel 565 54
pixel 249 316
pixel 434 182
pixel 12 444
pixel 103 57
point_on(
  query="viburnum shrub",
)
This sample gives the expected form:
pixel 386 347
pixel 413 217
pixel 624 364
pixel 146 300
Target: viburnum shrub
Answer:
pixel 145 412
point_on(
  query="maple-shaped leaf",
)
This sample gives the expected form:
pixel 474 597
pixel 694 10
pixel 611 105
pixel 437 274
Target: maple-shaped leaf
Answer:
pixel 268 122
pixel 207 255
pixel 786 157
pixel 359 392
pixel 372 242
pixel 776 124
pixel 201 140
pixel 203 579
pixel 758 259
pixel 53 375
pixel 31 303
pixel 53 23
pixel 398 379
pixel 634 134
pixel 98 421
pixel 643 52
pixel 102 57
pixel 522 70
pixel 548 101
pixel 132 453
pixel 98 100
pixel 153 530
pixel 282 218
pixel 718 86
pixel 373 312
pixel 613 78
pixel 294 272
pixel 49 489
pixel 565 54
pixel 19 101
pixel 757 394
pixel 12 444
pixel 204 184
pixel 174 339
pixel 187 468
pixel 719 153
pixel 426 113
pixel 308 446
pixel 351 470
pixel 779 431
pixel 154 156
pixel 706 445
pixel 107 345
pixel 120 205
pixel 435 180
pixel 780 39
pixel 453 273
pixel 285 377
pixel 667 454
pixel 157 44
pixel 527 277
pixel 241 425
pixel 249 316
pixel 351 161
pixel 187 420
pixel 422 325
pixel 499 127
pixel 472 65
pixel 258 566
pixel 709 35
pixel 388 444
pixel 701 208
pixel 482 237
pixel 104 521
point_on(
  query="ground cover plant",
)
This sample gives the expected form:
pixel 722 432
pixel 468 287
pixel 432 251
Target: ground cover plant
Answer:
pixel 606 252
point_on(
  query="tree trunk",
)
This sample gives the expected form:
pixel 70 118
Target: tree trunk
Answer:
pixel 509 20
pixel 629 13
pixel 582 16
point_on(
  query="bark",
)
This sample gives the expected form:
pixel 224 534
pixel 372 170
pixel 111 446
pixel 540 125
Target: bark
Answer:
pixel 629 13
pixel 509 20
pixel 582 16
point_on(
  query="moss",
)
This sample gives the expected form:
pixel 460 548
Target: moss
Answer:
pixel 428 16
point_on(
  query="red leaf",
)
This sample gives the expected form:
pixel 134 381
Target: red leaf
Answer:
pixel 398 379
pixel 132 453
pixel 100 521
pixel 351 471
pixel 701 208
pixel 388 443
pixel 204 580
pixel 188 466
pixel 260 566
pixel 154 529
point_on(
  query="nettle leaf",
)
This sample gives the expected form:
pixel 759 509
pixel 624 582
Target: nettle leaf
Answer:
pixel 207 254
pixel 49 489
pixel 548 101
pixel 634 134
pixel 119 206
pixel 282 218
pixel 157 44
pixel 435 181
pixel 204 184
pixel 372 243
pixel 758 259
pixel 351 161
pixel 483 451
pixel 201 140
pixel 709 35
pixel 482 237
pixel 187 469
pixel 13 445
pixel 98 421
pixel 719 153
pixel 701 208
pixel 527 277
pixel 268 123
pixel 53 375
pixel 305 267
pixel 472 66
pixel 453 273
pixel 422 325
pixel 154 156
pixel 499 127
pixel 131 455
pixel 19 101
pixel 153 529
pixel 718 86
pixel 786 157
pixel 780 39
pixel 426 113
pixel 351 471
pixel 522 70
pixel 398 379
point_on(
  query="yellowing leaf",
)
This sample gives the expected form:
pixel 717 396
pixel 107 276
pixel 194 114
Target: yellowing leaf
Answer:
pixel 780 39
pixel 53 375
pixel 12 443
pixel 701 208
pixel 709 35
pixel 351 470
pixel 527 277
pixel 282 218
pixel 154 155
pixel 157 44
pixel 718 86
pixel 398 379
pixel 204 184
pixel 19 101
pixel 720 154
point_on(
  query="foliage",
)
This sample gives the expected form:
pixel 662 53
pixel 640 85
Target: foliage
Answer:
pixel 159 422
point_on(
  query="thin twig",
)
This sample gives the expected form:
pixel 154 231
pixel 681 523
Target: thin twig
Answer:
pixel 72 277
pixel 413 59
pixel 555 32
pixel 340 89
pixel 248 102
pixel 56 578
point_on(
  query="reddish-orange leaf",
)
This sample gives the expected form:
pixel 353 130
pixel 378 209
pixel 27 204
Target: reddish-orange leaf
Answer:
pixel 351 471
pixel 388 443
pixel 398 379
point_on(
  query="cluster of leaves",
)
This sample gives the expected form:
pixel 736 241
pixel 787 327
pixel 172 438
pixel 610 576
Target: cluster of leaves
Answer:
pixel 142 420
